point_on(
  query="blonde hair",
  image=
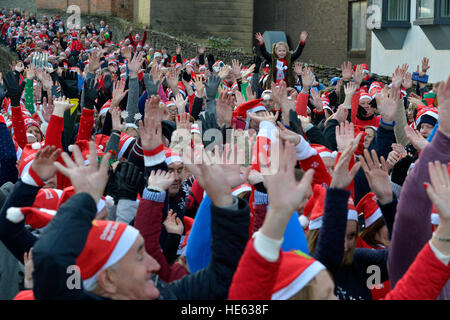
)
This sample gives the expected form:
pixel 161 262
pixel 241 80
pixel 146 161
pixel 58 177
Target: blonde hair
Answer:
pixel 280 43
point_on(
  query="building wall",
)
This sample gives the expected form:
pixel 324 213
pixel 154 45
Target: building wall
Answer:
pixel 416 47
pixel 327 22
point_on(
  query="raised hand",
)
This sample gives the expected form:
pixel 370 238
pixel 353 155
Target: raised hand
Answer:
pixel 350 89
pixel 347 71
pixel 377 174
pixel 172 79
pixel 160 180
pixel 407 81
pixel 94 61
pixel 90 93
pixel 288 135
pixel 153 80
pixel 425 65
pixel 315 100
pixel 89 179
pixel 13 89
pixel 259 37
pixel 31 72
pixel 116 119
pixel 399 75
pixel 342 177
pixel 135 64
pixel 264 116
pixel 443 96
pixel 358 75
pixel 43 162
pixel 129 180
pixel 285 193
pixel 150 130
pixel 416 139
pixel 341 114
pixel 173 224
pixel 298 67
pixel 415 100
pixel 387 103
pixel 303 36
pixel 199 85
pixel 182 121
pixel 61 104
pixel 224 109
pixel 236 68
pixel 224 72
pixel 345 133
pixel 180 102
pixel 47 108
pixel 307 79
pixel 209 172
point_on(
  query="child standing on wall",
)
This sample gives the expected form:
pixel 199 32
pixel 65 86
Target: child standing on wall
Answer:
pixel 281 60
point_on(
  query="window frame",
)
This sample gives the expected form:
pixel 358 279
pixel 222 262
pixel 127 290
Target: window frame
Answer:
pixel 437 19
pixel 351 50
pixel 385 23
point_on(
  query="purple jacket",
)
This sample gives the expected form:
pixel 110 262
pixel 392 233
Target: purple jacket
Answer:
pixel 412 225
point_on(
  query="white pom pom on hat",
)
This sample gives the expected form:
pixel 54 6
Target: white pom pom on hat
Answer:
pixel 14 215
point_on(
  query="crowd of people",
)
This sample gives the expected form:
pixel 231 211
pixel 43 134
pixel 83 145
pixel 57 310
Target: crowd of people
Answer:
pixel 132 172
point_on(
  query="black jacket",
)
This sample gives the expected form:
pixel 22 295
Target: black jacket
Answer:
pixel 64 239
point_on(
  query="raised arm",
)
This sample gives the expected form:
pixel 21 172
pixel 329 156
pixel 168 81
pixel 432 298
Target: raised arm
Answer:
pixel 413 211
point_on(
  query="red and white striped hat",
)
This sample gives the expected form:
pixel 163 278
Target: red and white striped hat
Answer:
pixel 429 111
pixel 124 143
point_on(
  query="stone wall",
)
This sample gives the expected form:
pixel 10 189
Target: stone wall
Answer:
pixel 220 18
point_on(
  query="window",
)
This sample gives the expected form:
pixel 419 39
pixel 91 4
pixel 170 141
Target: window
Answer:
pixel 445 8
pixel 432 12
pixel 397 10
pixel 425 9
pixel 396 13
pixel 358 25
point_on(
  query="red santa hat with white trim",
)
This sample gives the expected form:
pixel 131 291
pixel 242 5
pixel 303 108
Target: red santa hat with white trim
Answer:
pixel 107 243
pixel 318 209
pixel 37 218
pixel 428 115
pixel 245 187
pixel 369 208
pixel 244 109
pixel 375 88
pixel 171 156
pixel 105 108
pixel 296 270
pixel 323 151
pixel 364 94
pixel 27 158
pixel 47 198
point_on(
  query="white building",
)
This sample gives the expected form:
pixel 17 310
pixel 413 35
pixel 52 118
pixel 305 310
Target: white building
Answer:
pixel 410 30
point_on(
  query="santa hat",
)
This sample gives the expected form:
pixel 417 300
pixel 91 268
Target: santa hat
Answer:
pixel 170 103
pixel 319 208
pixel 100 141
pixel 105 107
pixel 244 109
pixel 375 88
pixel 83 145
pixel 107 243
pixel 323 151
pixel 364 94
pixel 369 207
pixel 266 95
pixel 124 143
pixel 427 115
pixel 171 156
pixel 27 158
pixel 245 187
pixel 69 192
pixel 296 271
pixel 47 198
pixel 34 217
pixel 31 122
pixel 157 54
